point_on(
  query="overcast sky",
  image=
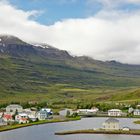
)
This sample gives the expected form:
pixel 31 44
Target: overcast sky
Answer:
pixel 101 29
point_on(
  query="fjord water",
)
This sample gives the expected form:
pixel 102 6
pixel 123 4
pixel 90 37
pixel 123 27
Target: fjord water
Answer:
pixel 46 131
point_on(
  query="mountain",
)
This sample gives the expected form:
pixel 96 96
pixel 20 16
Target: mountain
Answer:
pixel 40 72
pixel 13 46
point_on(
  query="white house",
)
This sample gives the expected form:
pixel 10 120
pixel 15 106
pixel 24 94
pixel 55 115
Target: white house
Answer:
pixel 94 109
pixel 136 112
pixel 22 118
pixel 13 108
pixel 31 114
pixel 48 110
pixel 114 112
pixel 32 117
pixel 2 122
pixel 87 111
pixel 111 124
pixel 64 112
pixel 1 114
pixel 42 115
pixel 130 110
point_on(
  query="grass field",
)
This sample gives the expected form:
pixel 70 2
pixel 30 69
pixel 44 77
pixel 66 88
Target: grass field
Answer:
pixel 64 95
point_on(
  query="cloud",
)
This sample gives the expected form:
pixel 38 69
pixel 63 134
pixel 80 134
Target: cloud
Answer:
pixel 109 35
pixel 113 3
pixel 58 1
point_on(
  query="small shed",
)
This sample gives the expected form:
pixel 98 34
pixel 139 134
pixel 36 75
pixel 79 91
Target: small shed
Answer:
pixel 126 129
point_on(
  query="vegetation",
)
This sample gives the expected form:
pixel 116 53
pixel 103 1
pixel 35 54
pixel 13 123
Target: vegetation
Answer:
pixel 137 122
pixel 100 131
pixel 50 75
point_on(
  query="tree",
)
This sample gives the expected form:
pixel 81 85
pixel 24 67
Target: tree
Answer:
pixel 68 113
pixel 16 113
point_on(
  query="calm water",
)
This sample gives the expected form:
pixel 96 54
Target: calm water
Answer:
pixel 46 131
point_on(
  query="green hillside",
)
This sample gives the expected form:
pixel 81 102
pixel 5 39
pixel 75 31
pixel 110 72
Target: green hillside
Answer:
pixel 25 80
pixel 29 73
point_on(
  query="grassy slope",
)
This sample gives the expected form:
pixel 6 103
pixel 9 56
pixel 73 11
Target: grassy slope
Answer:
pixel 38 79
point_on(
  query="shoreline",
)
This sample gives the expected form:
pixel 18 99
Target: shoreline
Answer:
pixel 106 116
pixel 18 126
pixel 100 131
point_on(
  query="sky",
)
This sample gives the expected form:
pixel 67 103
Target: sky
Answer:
pixel 102 29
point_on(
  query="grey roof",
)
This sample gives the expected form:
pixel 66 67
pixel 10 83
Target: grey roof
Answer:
pixel 112 120
pixel 14 106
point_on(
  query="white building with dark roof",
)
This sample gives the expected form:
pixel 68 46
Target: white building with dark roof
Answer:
pixel 136 112
pixel 111 124
pixel 42 115
pixel 114 112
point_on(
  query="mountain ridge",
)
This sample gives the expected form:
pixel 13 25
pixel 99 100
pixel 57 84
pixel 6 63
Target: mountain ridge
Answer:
pixel 12 40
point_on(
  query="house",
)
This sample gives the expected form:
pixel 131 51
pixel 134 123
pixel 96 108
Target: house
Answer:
pixel 111 124
pixel 130 110
pixel 114 112
pixel 31 114
pixel 1 114
pixel 138 106
pixel 136 112
pixel 48 110
pixel 13 108
pixel 2 122
pixel 64 112
pixel 42 115
pixel 7 117
pixel 32 117
pixel 22 118
pixel 92 111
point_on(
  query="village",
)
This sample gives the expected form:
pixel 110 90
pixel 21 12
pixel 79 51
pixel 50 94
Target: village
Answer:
pixel 16 114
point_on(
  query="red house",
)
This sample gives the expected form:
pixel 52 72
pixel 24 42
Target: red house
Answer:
pixel 7 117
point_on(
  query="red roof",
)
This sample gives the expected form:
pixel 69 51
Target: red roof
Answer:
pixel 7 116
pixel 24 119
